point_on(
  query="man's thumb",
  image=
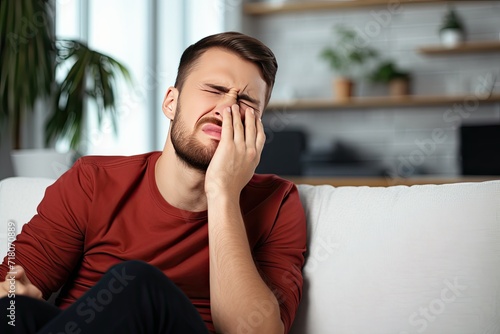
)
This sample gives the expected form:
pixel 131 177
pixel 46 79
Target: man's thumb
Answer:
pixel 20 274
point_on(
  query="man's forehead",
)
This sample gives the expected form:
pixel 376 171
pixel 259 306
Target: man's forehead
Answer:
pixel 213 67
pixel 219 57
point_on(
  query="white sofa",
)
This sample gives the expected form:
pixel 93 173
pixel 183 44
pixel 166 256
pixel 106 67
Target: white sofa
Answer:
pixel 395 260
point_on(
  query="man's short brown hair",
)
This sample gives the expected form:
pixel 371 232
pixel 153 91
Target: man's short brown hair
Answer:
pixel 244 46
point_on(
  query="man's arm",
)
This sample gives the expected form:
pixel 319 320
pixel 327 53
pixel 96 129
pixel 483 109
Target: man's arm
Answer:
pixel 51 243
pixel 237 291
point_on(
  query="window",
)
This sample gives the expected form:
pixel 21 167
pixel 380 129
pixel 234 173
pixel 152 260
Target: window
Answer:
pixel 148 36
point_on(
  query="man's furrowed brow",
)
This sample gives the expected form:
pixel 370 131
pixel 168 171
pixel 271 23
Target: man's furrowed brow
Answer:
pixel 219 88
pixel 243 96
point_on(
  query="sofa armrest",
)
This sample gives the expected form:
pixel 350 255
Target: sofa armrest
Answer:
pixel 19 198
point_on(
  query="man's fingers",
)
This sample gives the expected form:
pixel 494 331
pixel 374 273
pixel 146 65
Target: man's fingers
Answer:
pixel 250 128
pixel 239 131
pixel 21 289
pixel 227 125
pixel 18 273
pixel 261 136
pixel 21 276
pixel 17 283
pixel 33 291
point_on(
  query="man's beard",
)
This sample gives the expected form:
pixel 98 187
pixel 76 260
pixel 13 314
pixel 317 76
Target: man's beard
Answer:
pixel 187 147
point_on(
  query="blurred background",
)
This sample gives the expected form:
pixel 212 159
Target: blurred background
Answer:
pixel 422 100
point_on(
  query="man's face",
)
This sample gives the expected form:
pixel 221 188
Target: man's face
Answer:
pixel 219 80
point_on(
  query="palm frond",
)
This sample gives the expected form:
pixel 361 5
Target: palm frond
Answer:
pixel 92 78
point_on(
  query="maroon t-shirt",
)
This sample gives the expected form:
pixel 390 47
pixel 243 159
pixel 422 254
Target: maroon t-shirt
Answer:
pixel 106 210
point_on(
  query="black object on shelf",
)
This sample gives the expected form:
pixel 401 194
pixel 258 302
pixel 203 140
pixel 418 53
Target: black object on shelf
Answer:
pixel 282 154
pixel 480 149
pixel 342 160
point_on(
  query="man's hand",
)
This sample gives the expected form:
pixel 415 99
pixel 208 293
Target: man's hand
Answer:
pixel 238 153
pixel 236 287
pixel 16 282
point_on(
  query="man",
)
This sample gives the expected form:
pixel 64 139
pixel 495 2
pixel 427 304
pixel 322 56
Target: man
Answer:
pixel 150 243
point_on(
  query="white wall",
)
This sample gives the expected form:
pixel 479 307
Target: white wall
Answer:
pixel 388 136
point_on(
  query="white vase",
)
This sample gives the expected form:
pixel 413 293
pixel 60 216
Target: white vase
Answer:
pixel 41 162
pixel 451 37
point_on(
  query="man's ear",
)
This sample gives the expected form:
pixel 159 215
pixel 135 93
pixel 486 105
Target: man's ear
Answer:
pixel 169 105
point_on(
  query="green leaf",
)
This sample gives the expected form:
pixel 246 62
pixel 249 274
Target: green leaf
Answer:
pixel 347 55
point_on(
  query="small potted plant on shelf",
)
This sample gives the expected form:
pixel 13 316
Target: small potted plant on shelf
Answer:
pixel 397 80
pixel 452 31
pixel 346 58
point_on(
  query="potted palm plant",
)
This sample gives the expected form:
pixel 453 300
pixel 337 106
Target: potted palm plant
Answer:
pixel 346 58
pixel 30 57
pixel 91 78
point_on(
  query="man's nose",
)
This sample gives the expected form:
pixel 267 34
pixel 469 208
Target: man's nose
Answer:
pixel 227 100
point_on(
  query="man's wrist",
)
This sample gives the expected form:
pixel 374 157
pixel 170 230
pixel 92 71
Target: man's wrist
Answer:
pixel 222 195
pixel 219 202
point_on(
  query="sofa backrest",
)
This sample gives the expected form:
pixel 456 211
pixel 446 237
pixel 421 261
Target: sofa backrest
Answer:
pixel 402 259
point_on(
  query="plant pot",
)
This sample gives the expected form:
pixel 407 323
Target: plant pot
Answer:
pixel 41 162
pixel 451 37
pixel 399 87
pixel 343 89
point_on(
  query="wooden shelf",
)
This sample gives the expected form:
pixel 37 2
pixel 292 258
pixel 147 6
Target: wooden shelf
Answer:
pixel 468 47
pixel 386 181
pixel 378 102
pixel 263 8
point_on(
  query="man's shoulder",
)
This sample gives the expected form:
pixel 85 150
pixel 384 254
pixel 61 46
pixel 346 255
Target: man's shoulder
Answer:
pixel 270 181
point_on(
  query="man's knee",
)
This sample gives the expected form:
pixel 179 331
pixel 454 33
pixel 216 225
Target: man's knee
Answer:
pixel 23 312
pixel 133 272
pixel 8 305
pixel 20 303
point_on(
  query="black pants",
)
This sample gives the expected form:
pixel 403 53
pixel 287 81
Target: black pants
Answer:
pixel 132 297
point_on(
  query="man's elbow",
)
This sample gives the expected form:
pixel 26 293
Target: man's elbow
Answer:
pixel 258 324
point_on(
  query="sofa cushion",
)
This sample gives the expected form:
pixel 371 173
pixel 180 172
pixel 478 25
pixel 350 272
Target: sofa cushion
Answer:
pixel 402 259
